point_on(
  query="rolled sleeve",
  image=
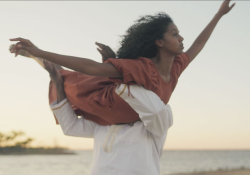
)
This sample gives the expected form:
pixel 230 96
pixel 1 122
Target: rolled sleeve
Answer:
pixel 69 121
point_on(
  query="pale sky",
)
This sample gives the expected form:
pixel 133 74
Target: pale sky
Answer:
pixel 210 102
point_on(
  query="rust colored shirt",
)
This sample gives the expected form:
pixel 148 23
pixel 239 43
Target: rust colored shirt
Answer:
pixel 95 97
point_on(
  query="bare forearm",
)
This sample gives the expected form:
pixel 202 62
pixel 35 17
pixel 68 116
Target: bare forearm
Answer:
pixel 82 65
pixel 206 33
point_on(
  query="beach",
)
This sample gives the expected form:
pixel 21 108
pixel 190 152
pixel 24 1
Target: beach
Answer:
pixel 172 163
pixel 220 172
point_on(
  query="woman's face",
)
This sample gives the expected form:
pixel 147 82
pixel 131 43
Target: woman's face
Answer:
pixel 172 41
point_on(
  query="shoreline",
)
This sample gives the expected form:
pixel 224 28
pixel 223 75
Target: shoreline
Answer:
pixel 239 171
pixel 17 150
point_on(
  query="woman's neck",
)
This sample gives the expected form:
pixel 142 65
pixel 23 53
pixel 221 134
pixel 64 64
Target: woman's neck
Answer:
pixel 163 62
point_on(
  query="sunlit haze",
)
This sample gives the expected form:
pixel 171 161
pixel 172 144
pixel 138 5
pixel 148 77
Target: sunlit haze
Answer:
pixel 209 103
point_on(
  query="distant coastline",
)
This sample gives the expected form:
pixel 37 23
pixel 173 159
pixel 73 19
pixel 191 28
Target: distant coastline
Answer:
pixel 14 150
pixel 10 144
pixel 238 171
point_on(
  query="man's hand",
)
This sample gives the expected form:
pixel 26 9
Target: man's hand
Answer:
pixel 224 9
pixel 26 45
pixel 56 78
pixel 105 51
pixel 53 72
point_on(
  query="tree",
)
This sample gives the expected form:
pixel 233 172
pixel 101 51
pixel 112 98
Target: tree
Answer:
pixel 6 139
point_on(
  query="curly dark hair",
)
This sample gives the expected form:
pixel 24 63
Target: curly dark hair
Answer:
pixel 139 40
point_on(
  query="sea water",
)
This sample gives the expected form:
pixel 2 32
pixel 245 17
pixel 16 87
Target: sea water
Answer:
pixel 79 164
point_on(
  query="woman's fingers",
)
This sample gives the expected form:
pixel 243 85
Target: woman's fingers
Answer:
pixel 23 42
pixel 103 55
pixel 20 39
pixel 100 51
pixel 232 6
pixel 100 45
pixel 20 46
pixel 15 48
pixel 109 53
pixel 103 47
pixel 25 45
pixel 106 49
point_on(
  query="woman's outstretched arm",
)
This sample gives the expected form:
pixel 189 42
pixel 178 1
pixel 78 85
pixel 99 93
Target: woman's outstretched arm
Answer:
pixel 201 40
pixel 105 51
pixel 82 65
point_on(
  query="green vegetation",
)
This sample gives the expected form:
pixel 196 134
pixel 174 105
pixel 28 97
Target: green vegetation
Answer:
pixel 10 144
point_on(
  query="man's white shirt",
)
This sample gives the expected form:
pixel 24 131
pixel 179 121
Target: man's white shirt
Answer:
pixel 123 149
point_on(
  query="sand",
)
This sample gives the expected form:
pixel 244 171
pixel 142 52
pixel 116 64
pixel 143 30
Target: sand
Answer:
pixel 220 172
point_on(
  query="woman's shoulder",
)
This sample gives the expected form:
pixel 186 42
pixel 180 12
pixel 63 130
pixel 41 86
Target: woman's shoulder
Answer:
pixel 141 71
pixel 137 63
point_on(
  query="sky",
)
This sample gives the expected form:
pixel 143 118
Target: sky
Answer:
pixel 209 103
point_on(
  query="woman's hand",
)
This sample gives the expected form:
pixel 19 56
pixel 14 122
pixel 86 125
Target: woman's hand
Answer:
pixel 224 9
pixel 105 51
pixel 21 51
pixel 26 45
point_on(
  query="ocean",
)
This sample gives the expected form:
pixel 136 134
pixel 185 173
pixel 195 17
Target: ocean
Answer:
pixel 171 162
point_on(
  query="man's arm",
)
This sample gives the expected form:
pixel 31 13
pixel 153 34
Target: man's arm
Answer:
pixel 70 123
pixel 202 39
pixel 66 116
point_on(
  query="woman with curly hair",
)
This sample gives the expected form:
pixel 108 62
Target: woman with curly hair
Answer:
pixel 136 86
